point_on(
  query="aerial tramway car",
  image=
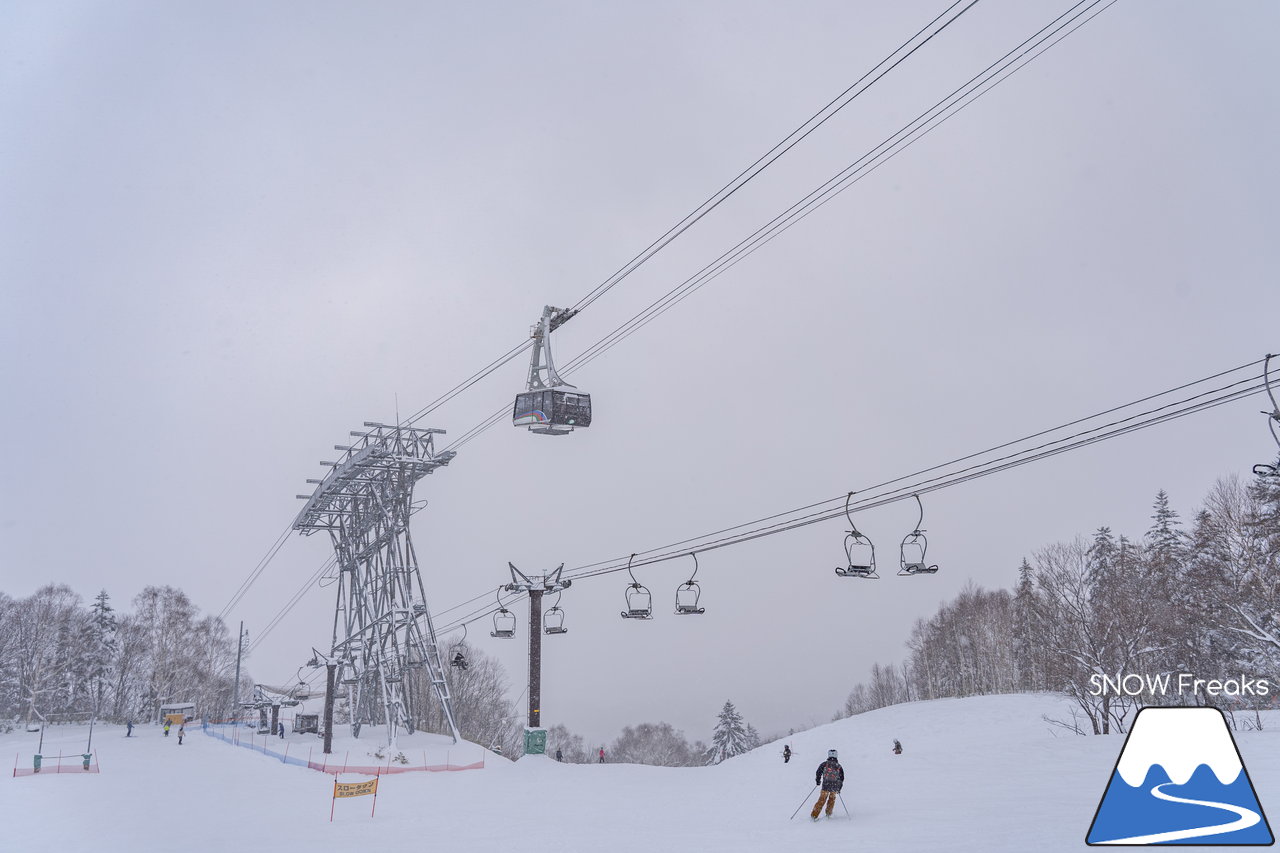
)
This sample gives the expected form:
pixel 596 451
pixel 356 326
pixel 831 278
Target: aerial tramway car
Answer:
pixel 549 406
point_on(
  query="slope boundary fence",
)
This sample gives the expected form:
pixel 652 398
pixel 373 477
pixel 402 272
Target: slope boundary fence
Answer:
pixel 74 762
pixel 334 764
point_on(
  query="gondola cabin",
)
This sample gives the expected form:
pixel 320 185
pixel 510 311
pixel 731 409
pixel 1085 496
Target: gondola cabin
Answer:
pixel 552 411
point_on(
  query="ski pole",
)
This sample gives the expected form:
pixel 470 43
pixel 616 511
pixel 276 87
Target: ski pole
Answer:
pixel 802 802
pixel 846 808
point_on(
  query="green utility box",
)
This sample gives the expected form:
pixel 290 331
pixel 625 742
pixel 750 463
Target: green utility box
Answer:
pixel 37 762
pixel 535 741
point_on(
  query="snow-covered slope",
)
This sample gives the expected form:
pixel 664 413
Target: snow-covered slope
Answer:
pixel 980 774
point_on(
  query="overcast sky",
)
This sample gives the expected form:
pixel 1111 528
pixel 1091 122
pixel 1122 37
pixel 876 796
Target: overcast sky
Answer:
pixel 232 232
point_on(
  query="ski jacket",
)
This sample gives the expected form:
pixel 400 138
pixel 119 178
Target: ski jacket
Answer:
pixel 830 775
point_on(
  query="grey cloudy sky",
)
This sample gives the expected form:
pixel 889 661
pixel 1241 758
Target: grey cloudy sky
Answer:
pixel 232 232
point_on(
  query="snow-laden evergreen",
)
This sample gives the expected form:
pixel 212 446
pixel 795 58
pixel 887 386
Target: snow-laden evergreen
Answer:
pixel 731 736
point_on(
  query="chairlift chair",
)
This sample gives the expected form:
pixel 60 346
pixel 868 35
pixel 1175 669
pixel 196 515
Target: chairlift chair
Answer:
pixel 1273 418
pixel 349 674
pixel 504 624
pixel 688 593
pixel 504 621
pixel 859 552
pixel 639 600
pixel 459 660
pixel 914 546
pixel 553 619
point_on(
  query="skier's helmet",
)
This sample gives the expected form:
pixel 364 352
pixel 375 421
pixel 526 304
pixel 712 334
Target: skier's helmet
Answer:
pixel 831 753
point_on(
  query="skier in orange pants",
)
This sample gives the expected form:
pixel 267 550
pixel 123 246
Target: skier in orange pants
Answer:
pixel 830 775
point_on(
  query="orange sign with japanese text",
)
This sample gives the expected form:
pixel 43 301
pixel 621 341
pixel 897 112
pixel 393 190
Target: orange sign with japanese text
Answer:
pixel 354 789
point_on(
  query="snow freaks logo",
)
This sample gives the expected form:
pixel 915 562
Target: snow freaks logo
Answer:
pixel 1185 682
pixel 1180 780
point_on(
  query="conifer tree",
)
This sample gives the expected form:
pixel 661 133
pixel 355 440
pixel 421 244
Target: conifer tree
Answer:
pixel 1026 639
pixel 730 735
pixel 99 647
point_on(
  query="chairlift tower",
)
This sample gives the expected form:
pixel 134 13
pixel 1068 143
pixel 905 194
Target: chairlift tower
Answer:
pixel 382 629
pixel 536 586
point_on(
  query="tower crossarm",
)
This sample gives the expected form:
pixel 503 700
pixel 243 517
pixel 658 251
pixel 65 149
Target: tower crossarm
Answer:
pixel 382 455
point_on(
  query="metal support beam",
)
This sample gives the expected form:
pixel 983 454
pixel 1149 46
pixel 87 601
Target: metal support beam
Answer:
pixel 536 587
pixel 328 708
pixel 535 657
pixel 382 625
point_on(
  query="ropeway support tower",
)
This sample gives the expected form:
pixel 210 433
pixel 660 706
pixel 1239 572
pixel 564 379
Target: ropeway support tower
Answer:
pixel 382 631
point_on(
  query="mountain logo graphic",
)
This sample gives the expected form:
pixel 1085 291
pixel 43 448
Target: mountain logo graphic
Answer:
pixel 1180 780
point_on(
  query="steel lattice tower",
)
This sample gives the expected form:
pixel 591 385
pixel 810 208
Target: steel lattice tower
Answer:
pixel 382 629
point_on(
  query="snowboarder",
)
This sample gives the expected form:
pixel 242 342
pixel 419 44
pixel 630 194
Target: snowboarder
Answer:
pixel 182 730
pixel 559 754
pixel 129 729
pixel 897 747
pixel 786 754
pixel 830 775
pixel 602 755
pixel 166 728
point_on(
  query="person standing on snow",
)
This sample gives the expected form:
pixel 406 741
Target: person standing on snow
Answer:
pixel 281 732
pixel 830 775
pixel 602 755
pixel 129 730
pixel 897 747
pixel 182 730
pixel 559 754
pixel 786 754
pixel 166 728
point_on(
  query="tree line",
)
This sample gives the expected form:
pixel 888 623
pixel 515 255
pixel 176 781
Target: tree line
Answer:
pixel 62 659
pixel 1201 599
pixel 661 744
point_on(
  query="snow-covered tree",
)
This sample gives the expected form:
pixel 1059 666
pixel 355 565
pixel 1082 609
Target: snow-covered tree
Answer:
pixel 99 646
pixel 481 701
pixel 1028 649
pixel 572 746
pixel 656 744
pixel 730 736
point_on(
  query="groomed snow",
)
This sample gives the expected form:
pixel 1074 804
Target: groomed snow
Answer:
pixel 978 774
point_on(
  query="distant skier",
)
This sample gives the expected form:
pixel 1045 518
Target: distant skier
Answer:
pixel 129 729
pixel 786 754
pixel 559 754
pixel 182 730
pixel 281 730
pixel 602 755
pixel 897 747
pixel 166 728
pixel 830 775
